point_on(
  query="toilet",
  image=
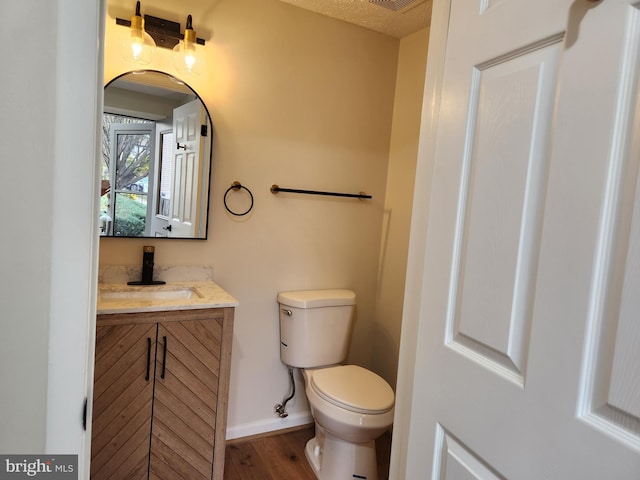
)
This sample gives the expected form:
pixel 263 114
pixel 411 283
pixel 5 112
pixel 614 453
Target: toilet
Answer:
pixel 351 405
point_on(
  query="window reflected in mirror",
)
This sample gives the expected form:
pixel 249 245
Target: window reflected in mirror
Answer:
pixel 127 153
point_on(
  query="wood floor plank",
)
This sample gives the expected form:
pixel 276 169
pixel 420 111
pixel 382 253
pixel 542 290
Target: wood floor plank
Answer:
pixel 275 457
pixel 281 457
pixel 243 461
pixel 285 455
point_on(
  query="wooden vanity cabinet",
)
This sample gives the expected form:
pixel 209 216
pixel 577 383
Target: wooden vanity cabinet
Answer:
pixel 160 398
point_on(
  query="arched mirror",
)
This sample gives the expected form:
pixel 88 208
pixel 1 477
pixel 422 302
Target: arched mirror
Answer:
pixel 156 158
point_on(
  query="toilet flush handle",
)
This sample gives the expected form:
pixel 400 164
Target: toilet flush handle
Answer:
pixel 288 312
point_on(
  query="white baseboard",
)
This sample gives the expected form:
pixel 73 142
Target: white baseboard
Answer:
pixel 269 425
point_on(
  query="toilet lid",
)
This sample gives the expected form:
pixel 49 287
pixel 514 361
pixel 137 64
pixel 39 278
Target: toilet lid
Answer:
pixel 353 388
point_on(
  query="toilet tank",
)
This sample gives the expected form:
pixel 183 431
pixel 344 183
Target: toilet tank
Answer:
pixel 315 326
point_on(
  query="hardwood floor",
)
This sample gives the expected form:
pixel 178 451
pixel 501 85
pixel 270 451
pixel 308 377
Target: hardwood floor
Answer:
pixel 281 457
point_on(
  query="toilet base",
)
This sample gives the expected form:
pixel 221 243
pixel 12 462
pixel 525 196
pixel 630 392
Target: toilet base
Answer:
pixel 332 458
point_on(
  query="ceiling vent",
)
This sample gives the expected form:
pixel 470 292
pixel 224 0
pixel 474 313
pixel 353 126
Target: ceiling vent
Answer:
pixel 397 5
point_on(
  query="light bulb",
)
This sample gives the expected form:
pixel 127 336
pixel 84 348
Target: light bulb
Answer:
pixel 138 47
pixel 185 59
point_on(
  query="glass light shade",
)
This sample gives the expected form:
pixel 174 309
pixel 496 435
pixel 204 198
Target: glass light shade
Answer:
pixel 185 59
pixel 138 47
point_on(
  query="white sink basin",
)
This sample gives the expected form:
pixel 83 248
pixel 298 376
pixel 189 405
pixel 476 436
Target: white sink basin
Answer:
pixel 141 293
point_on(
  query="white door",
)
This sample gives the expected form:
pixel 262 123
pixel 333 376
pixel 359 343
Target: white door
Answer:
pixel 186 192
pixel 527 364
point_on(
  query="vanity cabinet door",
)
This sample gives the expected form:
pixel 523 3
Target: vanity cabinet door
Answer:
pixel 122 401
pixel 186 396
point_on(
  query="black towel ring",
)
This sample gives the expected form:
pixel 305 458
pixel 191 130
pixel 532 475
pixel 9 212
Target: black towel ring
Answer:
pixel 237 186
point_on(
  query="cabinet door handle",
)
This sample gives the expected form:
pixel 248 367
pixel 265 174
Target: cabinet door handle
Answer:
pixel 148 358
pixel 164 356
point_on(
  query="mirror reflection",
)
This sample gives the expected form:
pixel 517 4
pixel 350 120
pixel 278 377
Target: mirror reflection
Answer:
pixel 156 158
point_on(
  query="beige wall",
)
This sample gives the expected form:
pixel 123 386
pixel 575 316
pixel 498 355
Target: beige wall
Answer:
pixel 403 153
pixel 302 101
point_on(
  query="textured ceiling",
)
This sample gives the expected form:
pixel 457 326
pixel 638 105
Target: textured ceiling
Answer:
pixel 397 18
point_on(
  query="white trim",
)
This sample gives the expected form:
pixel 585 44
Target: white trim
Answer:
pixel 271 425
pixel 417 239
pixel 74 245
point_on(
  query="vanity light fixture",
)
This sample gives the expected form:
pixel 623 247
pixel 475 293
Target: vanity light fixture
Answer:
pixel 162 33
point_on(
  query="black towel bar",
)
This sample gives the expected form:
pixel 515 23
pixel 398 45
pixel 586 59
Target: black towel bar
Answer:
pixel 275 189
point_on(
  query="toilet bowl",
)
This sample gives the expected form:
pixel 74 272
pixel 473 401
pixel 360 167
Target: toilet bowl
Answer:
pixel 349 401
pixel 351 405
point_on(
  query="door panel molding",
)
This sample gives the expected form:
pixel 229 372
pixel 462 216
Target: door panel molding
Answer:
pixel 610 397
pixel 456 461
pixel 500 207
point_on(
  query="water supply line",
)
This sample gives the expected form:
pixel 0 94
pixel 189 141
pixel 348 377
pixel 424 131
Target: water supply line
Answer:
pixel 279 409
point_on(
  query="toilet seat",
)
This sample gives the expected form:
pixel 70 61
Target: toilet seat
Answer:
pixel 353 388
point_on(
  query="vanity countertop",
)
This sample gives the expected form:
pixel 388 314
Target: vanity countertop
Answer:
pixel 123 298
